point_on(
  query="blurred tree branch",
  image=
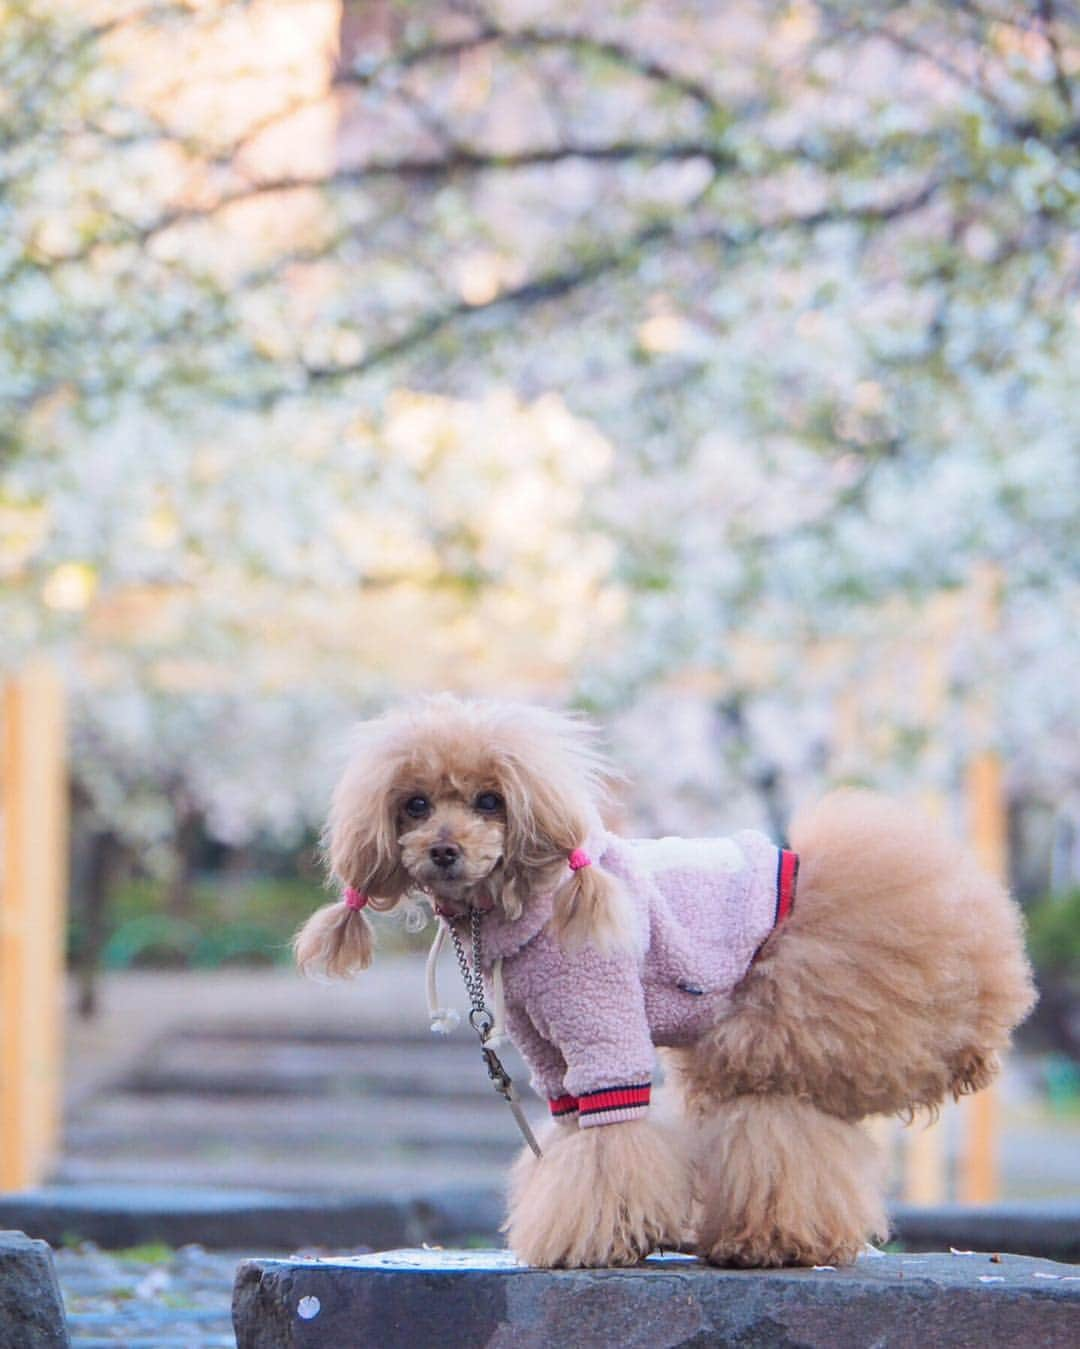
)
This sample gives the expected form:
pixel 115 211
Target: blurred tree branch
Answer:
pixel 554 285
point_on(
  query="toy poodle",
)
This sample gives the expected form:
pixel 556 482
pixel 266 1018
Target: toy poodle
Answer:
pixel 870 969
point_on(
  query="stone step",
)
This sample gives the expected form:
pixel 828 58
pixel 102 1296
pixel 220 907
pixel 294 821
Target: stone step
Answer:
pixel 123 1216
pixel 310 1173
pixel 211 1065
pixel 423 1299
pixel 361 1142
pixel 255 1105
pixel 329 1033
pixel 180 1126
pixel 1050 1229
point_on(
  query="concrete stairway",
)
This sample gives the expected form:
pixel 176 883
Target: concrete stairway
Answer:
pixel 296 1104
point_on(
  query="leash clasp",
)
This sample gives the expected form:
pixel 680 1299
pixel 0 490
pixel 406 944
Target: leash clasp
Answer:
pixel 500 1078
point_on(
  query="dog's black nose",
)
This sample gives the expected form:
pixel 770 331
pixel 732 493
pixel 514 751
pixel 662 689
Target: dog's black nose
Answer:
pixel 445 854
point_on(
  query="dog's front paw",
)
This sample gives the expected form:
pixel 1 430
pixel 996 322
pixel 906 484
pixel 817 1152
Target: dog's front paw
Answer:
pixel 606 1195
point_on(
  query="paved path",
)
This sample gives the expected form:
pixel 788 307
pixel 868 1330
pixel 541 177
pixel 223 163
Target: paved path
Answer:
pixel 148 1301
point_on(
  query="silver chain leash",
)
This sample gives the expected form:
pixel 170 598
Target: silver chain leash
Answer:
pixel 482 1021
pixel 474 979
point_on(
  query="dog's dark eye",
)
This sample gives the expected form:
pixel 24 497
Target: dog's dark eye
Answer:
pixel 417 807
pixel 488 802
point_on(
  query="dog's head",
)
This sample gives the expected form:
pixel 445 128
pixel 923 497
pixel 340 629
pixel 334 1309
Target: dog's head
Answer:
pixel 475 804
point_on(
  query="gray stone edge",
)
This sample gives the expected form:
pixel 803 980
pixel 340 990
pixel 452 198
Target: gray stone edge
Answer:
pixel 1048 1230
pixel 404 1303
pixel 121 1216
pixel 31 1304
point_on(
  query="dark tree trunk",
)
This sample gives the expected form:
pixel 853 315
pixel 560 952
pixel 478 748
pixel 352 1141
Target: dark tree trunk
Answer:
pixel 188 837
pixel 763 775
pixel 105 859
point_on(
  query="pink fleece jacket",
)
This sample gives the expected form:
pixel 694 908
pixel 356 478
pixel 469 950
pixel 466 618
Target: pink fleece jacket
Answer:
pixel 586 1022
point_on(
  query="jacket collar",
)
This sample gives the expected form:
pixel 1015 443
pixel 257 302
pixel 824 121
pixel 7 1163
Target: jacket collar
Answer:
pixel 501 936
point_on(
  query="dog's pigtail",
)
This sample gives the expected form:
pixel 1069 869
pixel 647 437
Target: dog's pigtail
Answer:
pixel 337 940
pixel 360 847
pixel 590 907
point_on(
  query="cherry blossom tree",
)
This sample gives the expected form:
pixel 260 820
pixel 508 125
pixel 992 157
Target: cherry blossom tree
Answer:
pixel 648 354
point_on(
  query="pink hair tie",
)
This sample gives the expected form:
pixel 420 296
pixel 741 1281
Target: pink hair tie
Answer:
pixel 355 899
pixel 579 858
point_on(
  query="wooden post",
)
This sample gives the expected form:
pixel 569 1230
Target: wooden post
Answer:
pixel 925 1172
pixel 924 1168
pixel 979 1175
pixel 988 829
pixel 989 822
pixel 33 800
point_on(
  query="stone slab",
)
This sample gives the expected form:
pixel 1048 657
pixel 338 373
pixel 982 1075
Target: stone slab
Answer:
pixel 139 1007
pixel 1047 1228
pixel 31 1308
pixel 423 1299
pixel 307 1173
pixel 119 1216
pixel 241 1066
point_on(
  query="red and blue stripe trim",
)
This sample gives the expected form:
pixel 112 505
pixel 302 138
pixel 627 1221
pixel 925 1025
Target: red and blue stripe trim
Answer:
pixel 606 1105
pixel 787 876
pixel 611 1104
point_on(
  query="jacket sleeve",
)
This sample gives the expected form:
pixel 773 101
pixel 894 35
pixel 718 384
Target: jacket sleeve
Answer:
pixel 546 1065
pixel 591 1008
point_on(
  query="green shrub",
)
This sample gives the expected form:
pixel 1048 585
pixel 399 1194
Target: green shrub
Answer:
pixel 1054 934
pixel 226 921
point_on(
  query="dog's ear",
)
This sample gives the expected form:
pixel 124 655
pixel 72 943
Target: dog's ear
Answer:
pixel 360 840
pixel 360 843
pixel 554 781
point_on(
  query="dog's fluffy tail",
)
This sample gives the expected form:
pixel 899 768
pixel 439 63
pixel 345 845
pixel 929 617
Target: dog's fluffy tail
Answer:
pixel 896 981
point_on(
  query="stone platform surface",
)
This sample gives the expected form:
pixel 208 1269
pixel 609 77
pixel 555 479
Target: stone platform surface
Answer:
pixel 423 1299
pixel 31 1310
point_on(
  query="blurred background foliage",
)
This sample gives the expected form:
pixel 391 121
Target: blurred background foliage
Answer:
pixel 706 366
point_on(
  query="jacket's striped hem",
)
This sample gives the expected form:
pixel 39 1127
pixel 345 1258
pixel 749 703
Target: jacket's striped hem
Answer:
pixel 787 876
pixel 613 1105
pixel 561 1106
